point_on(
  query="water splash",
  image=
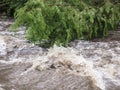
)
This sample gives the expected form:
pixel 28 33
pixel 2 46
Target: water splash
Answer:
pixel 2 47
pixel 69 59
pixel 96 60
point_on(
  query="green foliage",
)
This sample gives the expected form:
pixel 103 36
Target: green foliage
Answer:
pixel 58 22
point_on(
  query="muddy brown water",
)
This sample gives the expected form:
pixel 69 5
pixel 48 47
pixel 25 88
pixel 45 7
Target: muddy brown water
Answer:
pixel 86 65
pixel 44 80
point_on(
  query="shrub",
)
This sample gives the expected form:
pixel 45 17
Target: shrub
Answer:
pixel 58 22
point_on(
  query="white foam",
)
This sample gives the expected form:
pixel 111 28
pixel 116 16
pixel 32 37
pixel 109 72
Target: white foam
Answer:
pixel 68 57
pixel 2 46
pixel 99 62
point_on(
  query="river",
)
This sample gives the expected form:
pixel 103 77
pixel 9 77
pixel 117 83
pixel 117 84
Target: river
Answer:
pixel 84 65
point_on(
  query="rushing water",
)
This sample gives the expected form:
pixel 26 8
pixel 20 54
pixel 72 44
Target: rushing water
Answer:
pixel 86 65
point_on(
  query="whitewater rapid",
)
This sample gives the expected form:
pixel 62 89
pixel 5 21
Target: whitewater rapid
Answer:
pixel 97 62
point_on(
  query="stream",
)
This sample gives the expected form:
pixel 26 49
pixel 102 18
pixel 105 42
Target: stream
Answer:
pixel 84 65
